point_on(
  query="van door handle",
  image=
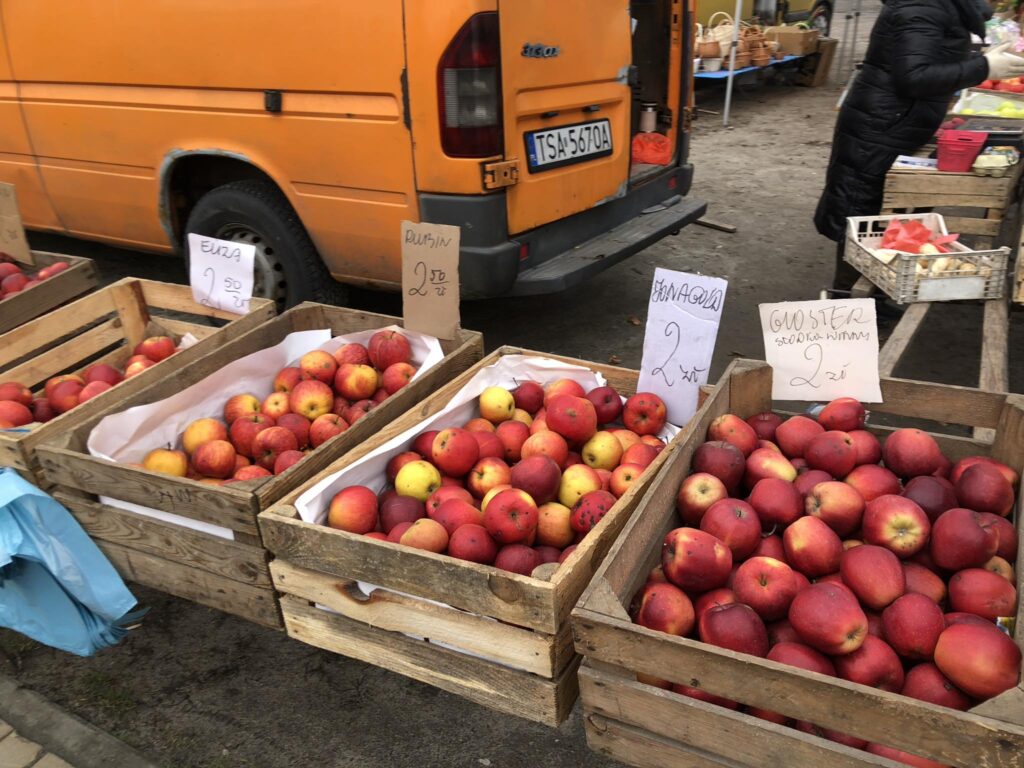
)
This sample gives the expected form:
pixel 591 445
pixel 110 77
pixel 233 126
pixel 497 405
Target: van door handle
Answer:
pixel 592 108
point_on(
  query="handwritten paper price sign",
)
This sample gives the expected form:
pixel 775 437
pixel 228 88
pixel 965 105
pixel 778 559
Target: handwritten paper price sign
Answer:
pixel 430 278
pixel 221 272
pixel 12 231
pixel 821 350
pixel 682 324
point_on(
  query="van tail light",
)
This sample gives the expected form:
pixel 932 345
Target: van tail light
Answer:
pixel 469 90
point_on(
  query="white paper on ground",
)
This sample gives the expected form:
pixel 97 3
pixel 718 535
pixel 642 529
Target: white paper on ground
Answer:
pixel 128 436
pixel 508 372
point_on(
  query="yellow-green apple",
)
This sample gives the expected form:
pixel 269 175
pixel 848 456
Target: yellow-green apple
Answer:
pixel 836 504
pixel 896 523
pixel 43 412
pixel 577 481
pixel 513 434
pixel 489 445
pixel 497 404
pixel 961 466
pixel 874 574
pixel 911 452
pixel 310 398
pixel 644 413
pixel 243 431
pixel 590 509
pixel 925 682
pixel 53 382
pixel 539 476
pixel 202 431
pixel 828 618
pixel 539 423
pixel 298 424
pixel 353 509
pixel 626 437
pixel 922 581
pixel 400 509
pixel 979 659
pixel 640 454
pixel 491 494
pixel 418 479
pixel 831 452
pixel 214 458
pixel 981 592
pixel 735 524
pixel 398 531
pixel 275 405
pixel 63 397
pixel 134 369
pixel 425 534
pixel 874 664
pixel 866 447
pixel 562 387
pixel 572 417
pixel 287 460
pixel 270 443
pixel 602 451
pixel 795 434
pixel 851 543
pixel 763 463
pixel 962 538
pixel 776 501
pixel 623 476
pixel 488 473
pixel 517 558
pixel 318 365
pixel 387 348
pixel 251 472
pixel 547 443
pixel 520 415
pixel 872 481
pixel 708 600
pixel 167 462
pixel 732 429
pixel 479 424
pixel 554 527
pixel 472 542
pixel 812 547
pixel 352 353
pixel 701 695
pixel 156 348
pixel 97 372
pixel 287 379
pixel 767 585
pixel 736 627
pixel 355 382
pixel 912 625
pixel 694 560
pixel 1000 567
pixel 607 404
pixel 455 513
pixel 240 405
pixel 842 414
pixel 665 608
pixel 983 488
pixel 455 451
pixel 1006 534
pixel 529 396
pixel 933 494
pixel 322 429
pixel 696 495
pixel 511 516
pixel 765 424
pixel 16 414
pixel 796 654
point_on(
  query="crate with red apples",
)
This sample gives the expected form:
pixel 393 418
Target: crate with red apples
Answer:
pixel 30 290
pixel 452 548
pixel 850 581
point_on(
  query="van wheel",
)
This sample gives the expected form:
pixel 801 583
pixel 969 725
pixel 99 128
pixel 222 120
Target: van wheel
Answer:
pixel 821 18
pixel 288 268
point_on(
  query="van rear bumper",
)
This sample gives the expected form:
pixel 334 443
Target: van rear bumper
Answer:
pixel 565 252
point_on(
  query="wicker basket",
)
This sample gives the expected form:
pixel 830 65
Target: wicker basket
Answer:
pixel 910 278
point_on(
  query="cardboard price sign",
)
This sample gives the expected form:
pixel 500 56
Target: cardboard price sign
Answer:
pixel 430 278
pixel 821 350
pixel 682 325
pixel 12 231
pixel 221 272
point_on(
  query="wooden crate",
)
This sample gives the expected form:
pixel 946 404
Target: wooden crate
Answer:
pixel 231 576
pixel 80 277
pixel 519 621
pixel 1017 287
pixel 105 327
pixel 646 726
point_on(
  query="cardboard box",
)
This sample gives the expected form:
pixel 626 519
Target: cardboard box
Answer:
pixel 794 41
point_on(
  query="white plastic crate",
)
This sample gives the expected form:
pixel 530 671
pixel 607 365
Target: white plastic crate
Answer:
pixel 911 277
pixel 987 103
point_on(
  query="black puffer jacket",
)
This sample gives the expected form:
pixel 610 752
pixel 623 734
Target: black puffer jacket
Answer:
pixel 918 57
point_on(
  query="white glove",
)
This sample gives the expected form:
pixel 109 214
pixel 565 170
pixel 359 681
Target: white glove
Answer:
pixel 1003 65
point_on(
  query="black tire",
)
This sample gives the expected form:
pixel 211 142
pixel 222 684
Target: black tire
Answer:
pixel 288 269
pixel 821 18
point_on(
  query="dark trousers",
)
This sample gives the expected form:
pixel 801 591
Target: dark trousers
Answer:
pixel 846 275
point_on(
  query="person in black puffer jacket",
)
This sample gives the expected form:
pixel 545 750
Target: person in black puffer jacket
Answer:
pixel 918 57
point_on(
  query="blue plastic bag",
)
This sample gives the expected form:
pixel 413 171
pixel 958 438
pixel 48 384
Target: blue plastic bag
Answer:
pixel 56 586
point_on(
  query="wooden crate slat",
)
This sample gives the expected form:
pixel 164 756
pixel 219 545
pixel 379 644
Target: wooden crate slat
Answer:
pixel 904 332
pixel 640 748
pixel 492 685
pixel 944 403
pixel 995 202
pixel 33 373
pixel 130 304
pixel 218 556
pixel 178 298
pixel 78 278
pixel 968 226
pixel 948 184
pixel 181 327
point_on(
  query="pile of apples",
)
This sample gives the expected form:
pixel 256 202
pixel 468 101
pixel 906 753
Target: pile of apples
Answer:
pixel 890 574
pixel 13 279
pixel 320 397
pixel 18 406
pixel 519 486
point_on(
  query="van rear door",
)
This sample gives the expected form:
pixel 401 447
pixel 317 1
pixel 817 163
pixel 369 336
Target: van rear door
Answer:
pixel 565 69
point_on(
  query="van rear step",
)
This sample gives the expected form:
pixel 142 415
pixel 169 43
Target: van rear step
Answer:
pixel 589 258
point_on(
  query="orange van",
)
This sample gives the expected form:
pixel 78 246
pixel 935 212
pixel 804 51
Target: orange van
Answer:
pixel 312 128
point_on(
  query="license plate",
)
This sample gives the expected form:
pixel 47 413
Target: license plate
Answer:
pixel 555 147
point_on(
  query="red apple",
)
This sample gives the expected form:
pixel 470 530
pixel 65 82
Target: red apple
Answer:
pixel 795 434
pixel 546 443
pixel 623 478
pixel 607 404
pixel 732 429
pixel 574 418
pixel 766 585
pixel 809 478
pixel 874 663
pixel 425 534
pixel 911 452
pixel 873 574
pixel 912 625
pixel 709 600
pixel 872 481
pixel 287 460
pixel 1005 532
pixel 491 472
pixel 694 560
pixel 103 372
pixel 286 379
pixel 355 382
pixel 735 524
pixel 455 513
pixel 396 376
pixel 63 397
pixel 866 446
pixel 896 523
pixel 842 414
pixel 933 494
pixel 353 353
pixel 777 502
pixel 400 509
pixel 311 398
pixel 723 460
pixel 641 454
pixel 490 444
pixel 513 435
pixel 319 365
pixel 298 425
pixel 832 452
pixel 980 660
pixel 590 509
pixel 828 618
pixel 529 396
pixel 156 348
pixel 443 494
pixel 243 431
pixel 665 608
pixel 925 682
pixel 736 627
pixel 957 471
pixel 812 547
pixel 270 443
pixel 644 413
pixel 472 542
pixel 517 558
pixel 455 451
pixel 251 472
pixel 764 463
pixel 981 592
pixel 836 504
pixel 511 516
pixel 90 390
pixel 922 581
pixel 539 476
pixel 697 494
pixel 388 347
pixel 962 538
pixel 53 382
pixel 43 412
pixel 983 488
pixel 323 428
pixel 797 654
pixel 765 424
pixel 771 546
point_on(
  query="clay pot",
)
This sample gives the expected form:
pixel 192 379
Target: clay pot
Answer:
pixel 710 50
